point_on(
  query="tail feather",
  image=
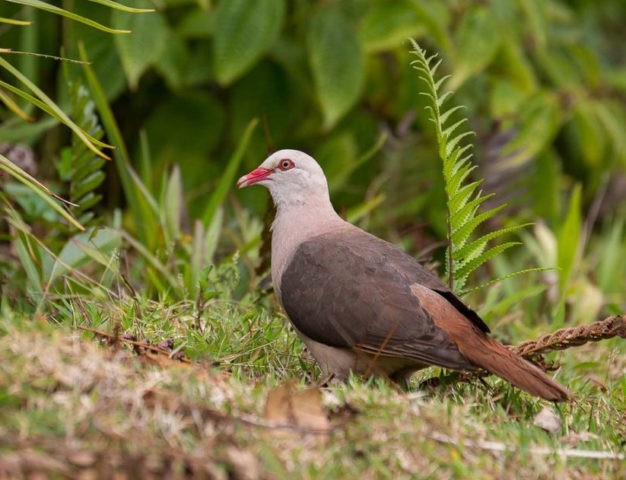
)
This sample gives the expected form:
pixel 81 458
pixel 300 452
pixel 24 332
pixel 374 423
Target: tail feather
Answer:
pixel 497 359
pixel 482 351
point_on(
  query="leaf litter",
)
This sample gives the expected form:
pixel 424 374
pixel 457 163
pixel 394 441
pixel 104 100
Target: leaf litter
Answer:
pixel 147 411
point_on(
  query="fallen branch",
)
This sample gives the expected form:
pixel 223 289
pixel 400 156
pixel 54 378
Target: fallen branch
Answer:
pixel 502 447
pixel 565 338
pixel 142 347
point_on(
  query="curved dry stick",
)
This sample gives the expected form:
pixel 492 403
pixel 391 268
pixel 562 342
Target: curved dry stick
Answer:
pixel 565 338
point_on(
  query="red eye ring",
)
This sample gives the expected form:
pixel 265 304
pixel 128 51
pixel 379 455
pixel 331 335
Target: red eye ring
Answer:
pixel 285 164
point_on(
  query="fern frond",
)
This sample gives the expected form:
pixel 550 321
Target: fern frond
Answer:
pixel 466 252
pixel 462 232
pixel 457 190
pixel 476 247
pixel 444 116
pixel 79 166
pixel 469 265
pixel 508 276
pixel 465 208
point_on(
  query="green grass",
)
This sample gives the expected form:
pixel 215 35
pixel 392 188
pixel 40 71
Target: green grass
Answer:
pixel 72 404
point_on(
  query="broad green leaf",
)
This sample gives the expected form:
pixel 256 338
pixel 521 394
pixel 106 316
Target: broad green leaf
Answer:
pixel 537 19
pixel 357 212
pixel 337 63
pixel 90 245
pixel 172 205
pixel 161 271
pixel 141 206
pixel 569 239
pixel 557 65
pixel 30 261
pixel 505 99
pixel 389 23
pixel 264 93
pixel 199 121
pixel 174 63
pixel 545 186
pixel 587 133
pixel 515 66
pixel 341 146
pixel 104 57
pixel 31 205
pixel 539 118
pixel 436 15
pixel 197 24
pixel 500 308
pixel 478 40
pixel 228 177
pixel 610 113
pixel 212 236
pixel 612 257
pixel 588 64
pixel 244 31
pixel 144 46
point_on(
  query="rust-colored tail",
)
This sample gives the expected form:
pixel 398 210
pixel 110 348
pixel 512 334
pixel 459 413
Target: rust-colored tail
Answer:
pixel 485 352
pixel 496 358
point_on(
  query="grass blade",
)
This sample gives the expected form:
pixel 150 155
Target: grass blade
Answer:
pixel 144 214
pixel 228 178
pixel 67 14
pixel 38 188
pixel 58 113
pixel 123 8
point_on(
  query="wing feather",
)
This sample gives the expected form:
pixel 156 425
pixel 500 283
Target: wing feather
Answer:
pixel 354 291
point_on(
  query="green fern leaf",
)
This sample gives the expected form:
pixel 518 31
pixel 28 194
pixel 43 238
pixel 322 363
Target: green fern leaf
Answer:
pixel 461 233
pixel 445 116
pixel 476 247
pixel 464 270
pixel 449 130
pixel 467 209
pixel 454 188
pixel 452 143
pixel 466 251
pixel 79 166
pixel 441 100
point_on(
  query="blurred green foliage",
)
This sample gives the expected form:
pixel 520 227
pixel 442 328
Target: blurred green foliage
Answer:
pixel 543 82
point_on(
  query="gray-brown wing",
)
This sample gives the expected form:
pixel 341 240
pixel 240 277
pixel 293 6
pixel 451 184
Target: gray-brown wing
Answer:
pixel 352 291
pixel 410 269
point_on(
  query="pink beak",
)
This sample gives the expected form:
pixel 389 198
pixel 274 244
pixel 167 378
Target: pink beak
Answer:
pixel 255 176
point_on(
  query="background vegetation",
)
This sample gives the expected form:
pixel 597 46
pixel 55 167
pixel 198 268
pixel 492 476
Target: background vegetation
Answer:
pixel 201 91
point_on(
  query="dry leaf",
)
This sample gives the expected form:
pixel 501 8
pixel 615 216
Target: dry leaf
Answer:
pixel 548 421
pixel 243 463
pixel 287 406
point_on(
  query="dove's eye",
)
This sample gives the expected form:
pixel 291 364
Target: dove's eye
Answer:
pixel 285 164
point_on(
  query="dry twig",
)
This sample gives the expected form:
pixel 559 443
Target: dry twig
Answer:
pixel 565 338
